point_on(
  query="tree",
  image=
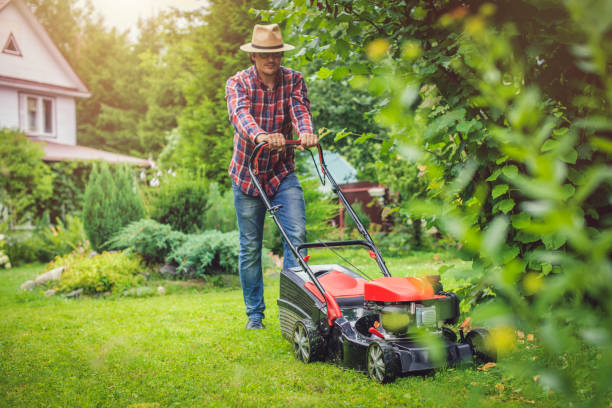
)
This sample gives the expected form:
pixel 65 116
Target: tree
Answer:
pixel 24 179
pixel 110 203
pixel 204 135
pixel 104 60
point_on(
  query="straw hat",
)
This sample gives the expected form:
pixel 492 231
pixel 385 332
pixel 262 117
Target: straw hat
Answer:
pixel 266 38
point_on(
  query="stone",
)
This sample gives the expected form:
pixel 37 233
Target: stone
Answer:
pixel 75 293
pixel 161 290
pixel 168 271
pixel 50 292
pixel 139 291
pixel 29 285
pixel 52 275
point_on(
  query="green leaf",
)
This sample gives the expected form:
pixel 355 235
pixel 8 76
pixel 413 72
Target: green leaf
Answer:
pixel 464 126
pixel 510 171
pixel 525 237
pixel 494 176
pixel 570 156
pixel 521 221
pixel 499 190
pixel 340 73
pixel 342 134
pixel 364 137
pixel 509 253
pixel 553 241
pixel 501 160
pixel 324 73
pixel 359 69
pixel 549 145
pixel 504 206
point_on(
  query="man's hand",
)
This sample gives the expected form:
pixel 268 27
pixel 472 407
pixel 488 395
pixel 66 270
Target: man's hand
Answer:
pixel 276 141
pixel 308 140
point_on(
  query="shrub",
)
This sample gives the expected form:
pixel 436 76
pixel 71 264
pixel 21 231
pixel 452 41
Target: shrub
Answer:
pixel 211 252
pixel 20 247
pixel 69 186
pixel 24 179
pixel 181 201
pixel 221 214
pixel 46 241
pixel 107 272
pixel 5 262
pixel 152 240
pixel 51 241
pixel 111 203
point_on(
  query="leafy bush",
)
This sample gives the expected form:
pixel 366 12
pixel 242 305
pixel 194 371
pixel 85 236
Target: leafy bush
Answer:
pixel 51 241
pixel 208 253
pixel 5 261
pixel 24 179
pixel 46 241
pixel 111 203
pixel 513 136
pixel 69 186
pixel 152 240
pixel 106 272
pixel 221 214
pixel 181 201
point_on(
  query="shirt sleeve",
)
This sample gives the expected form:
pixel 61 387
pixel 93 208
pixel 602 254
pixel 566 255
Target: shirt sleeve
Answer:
pixel 301 118
pixel 238 107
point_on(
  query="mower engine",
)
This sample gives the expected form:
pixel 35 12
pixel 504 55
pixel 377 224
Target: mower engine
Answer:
pixel 405 304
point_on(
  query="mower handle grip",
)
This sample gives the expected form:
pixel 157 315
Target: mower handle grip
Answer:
pixel 259 147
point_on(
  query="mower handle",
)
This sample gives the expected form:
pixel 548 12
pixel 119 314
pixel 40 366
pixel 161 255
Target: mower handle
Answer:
pixel 259 147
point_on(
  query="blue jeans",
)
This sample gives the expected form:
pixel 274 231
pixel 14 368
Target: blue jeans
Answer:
pixel 251 212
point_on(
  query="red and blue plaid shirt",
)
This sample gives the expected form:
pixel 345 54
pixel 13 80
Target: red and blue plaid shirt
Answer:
pixel 254 109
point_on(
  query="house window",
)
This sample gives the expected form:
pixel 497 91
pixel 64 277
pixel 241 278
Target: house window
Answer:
pixel 11 47
pixel 38 113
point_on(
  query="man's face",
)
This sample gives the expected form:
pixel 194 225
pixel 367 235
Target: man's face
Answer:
pixel 268 63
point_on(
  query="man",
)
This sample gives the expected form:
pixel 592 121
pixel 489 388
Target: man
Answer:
pixel 265 103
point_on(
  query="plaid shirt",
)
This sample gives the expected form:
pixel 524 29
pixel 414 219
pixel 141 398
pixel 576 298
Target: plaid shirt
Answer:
pixel 255 109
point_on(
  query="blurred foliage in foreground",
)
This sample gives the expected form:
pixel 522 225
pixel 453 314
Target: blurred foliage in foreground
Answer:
pixel 505 109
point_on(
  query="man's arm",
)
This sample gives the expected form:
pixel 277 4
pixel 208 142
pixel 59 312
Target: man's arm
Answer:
pixel 301 118
pixel 238 105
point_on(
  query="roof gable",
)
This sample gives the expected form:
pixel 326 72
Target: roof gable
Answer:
pixel 39 65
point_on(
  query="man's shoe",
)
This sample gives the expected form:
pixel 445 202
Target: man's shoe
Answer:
pixel 255 324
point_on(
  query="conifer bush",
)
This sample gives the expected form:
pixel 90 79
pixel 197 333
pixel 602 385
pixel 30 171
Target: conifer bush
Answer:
pixel 110 203
pixel 208 253
pixel 152 240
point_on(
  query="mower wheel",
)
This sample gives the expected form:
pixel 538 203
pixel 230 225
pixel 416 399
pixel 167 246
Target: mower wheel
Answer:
pixel 481 343
pixel 308 344
pixel 449 335
pixel 383 363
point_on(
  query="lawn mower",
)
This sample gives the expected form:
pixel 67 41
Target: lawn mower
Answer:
pixel 378 326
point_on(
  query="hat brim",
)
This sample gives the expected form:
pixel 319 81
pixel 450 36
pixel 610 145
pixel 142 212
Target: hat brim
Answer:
pixel 248 47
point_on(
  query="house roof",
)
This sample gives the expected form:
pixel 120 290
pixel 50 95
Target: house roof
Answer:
pixel 62 152
pixel 78 89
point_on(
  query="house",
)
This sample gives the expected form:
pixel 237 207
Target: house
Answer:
pixel 38 88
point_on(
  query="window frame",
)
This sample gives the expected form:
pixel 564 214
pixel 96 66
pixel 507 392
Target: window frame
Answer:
pixel 40 115
pixel 6 50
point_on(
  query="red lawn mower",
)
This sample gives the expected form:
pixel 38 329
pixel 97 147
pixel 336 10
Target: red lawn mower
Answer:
pixel 330 312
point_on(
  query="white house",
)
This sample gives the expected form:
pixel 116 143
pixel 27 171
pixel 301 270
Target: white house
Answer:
pixel 38 88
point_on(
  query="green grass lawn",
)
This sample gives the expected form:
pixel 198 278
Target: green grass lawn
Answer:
pixel 189 348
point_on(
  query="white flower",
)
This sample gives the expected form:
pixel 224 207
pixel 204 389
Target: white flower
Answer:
pixel 154 182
